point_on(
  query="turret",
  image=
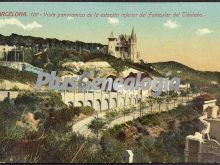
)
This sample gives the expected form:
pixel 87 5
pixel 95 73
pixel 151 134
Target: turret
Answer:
pixel 111 44
pixel 134 56
pixel 112 37
pixel 133 35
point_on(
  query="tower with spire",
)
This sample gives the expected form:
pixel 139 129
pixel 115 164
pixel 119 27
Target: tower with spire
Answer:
pixel 124 46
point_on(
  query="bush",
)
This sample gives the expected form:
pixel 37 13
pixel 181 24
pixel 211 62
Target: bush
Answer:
pixel 110 115
pixel 27 98
pixel 87 110
pixel 40 100
pixel 16 75
pixel 121 135
pixel 15 88
pixel 97 125
pixel 63 115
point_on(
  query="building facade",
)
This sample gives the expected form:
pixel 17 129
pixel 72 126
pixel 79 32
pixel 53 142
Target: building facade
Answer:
pixel 204 146
pixel 124 47
pixel 11 53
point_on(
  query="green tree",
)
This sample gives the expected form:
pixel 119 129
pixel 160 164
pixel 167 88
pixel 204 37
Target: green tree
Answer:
pixel 142 106
pixel 188 93
pixel 117 65
pixel 151 102
pixel 96 125
pixel 111 115
pixel 159 101
pixel 132 110
pixel 183 94
pixel 125 111
pixel 174 97
pixel 112 150
pixel 168 100
pixel 87 110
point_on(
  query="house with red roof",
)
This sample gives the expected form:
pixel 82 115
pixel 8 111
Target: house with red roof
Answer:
pixel 204 101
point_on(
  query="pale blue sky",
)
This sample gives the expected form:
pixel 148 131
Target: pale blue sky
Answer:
pixel 192 41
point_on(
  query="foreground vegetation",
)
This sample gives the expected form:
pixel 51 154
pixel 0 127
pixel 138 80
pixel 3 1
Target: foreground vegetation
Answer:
pixel 160 135
pixel 16 75
pixel 36 127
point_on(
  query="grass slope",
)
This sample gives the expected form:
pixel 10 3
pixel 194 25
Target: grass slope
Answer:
pixel 16 75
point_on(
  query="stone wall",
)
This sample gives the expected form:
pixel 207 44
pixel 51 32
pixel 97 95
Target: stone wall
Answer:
pixel 210 151
pixel 201 147
pixel 215 129
pixel 193 150
pixel 98 100
pixel 210 103
pixel 4 94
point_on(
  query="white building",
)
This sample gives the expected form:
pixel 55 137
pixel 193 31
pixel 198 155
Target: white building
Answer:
pixel 11 53
pixel 125 46
pixel 5 49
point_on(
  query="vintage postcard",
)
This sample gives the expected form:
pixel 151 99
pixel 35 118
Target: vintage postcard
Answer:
pixel 109 82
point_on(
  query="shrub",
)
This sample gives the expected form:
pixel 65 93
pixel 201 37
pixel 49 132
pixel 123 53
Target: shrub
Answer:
pixel 15 88
pixel 26 99
pixel 87 110
pixel 96 125
pixel 121 135
pixel 63 115
pixel 110 115
pixel 47 99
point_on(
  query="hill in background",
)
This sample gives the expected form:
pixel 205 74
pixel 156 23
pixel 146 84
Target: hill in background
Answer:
pixel 40 43
pixel 58 53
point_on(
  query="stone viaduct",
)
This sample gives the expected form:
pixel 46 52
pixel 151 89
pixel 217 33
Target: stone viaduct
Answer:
pixel 99 100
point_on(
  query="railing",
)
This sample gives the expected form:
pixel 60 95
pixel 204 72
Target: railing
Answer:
pixel 206 127
pixel 21 66
pixel 31 68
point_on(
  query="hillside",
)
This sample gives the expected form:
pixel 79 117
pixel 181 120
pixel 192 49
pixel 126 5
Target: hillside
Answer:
pixel 200 81
pixel 15 79
pixel 185 72
pixel 60 53
pixel 159 135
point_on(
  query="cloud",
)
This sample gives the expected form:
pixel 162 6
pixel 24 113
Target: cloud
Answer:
pixel 16 22
pixel 203 31
pixel 113 21
pixel 171 24
pixel 70 18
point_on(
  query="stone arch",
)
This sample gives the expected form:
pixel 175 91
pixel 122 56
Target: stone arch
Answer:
pixel 134 100
pixel 114 103
pixel 80 103
pixel 106 104
pixel 130 101
pixel 121 102
pixel 70 103
pixel 90 103
pixel 98 105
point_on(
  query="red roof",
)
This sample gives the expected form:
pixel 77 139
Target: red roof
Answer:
pixel 204 97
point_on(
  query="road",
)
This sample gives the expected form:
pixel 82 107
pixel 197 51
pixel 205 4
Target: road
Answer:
pixel 81 127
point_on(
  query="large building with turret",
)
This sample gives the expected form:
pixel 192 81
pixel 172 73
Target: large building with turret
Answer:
pixel 124 46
